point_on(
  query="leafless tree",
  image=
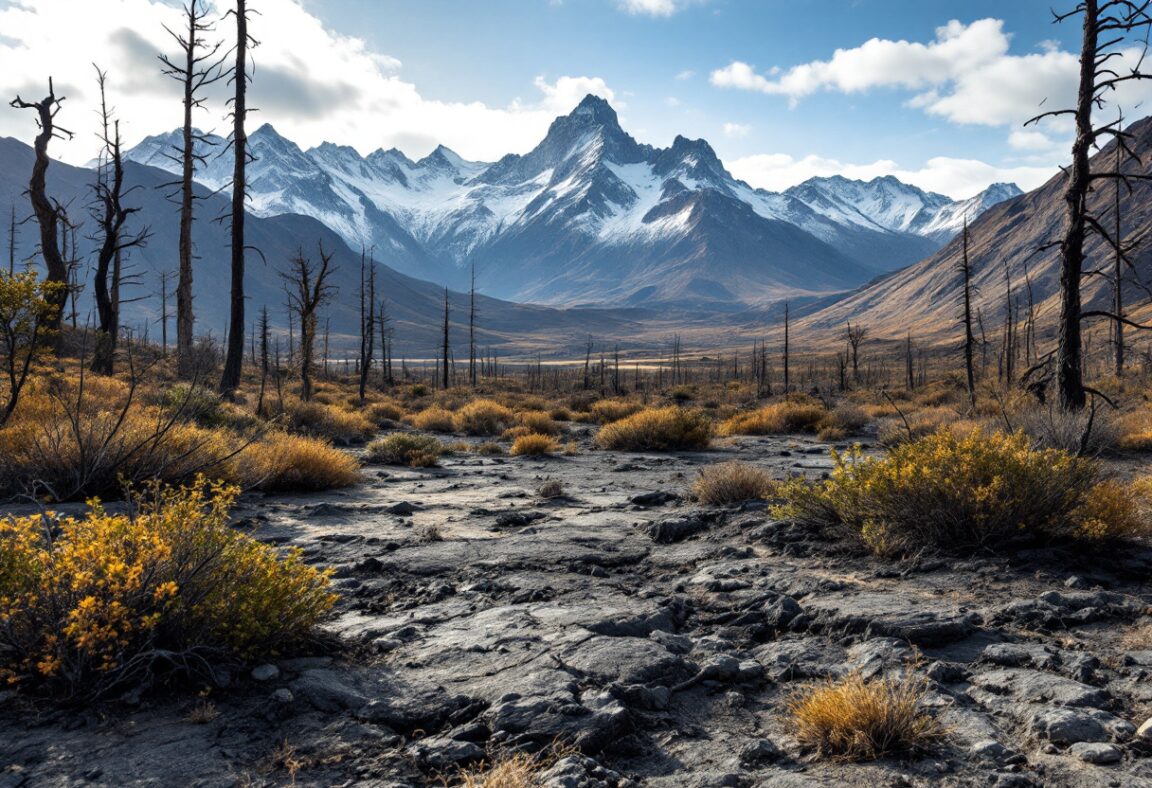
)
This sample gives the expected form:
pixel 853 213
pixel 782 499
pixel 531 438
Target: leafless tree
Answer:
pixel 367 319
pixel 199 65
pixel 308 289
pixel 444 346
pixel 855 336
pixel 787 351
pixel 969 334
pixel 111 217
pixel 1107 26
pixel 234 354
pixel 48 212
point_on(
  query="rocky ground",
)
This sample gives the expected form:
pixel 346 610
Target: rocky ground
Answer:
pixel 659 637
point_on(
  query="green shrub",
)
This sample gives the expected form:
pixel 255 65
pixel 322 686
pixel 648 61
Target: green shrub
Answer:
pixel 399 448
pixel 963 493
pixel 658 429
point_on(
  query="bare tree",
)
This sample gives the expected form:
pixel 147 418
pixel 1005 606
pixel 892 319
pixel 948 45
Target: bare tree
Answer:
pixel 855 336
pixel 1106 28
pixel 262 330
pixel 200 65
pixel 367 319
pixel 48 213
pixel 969 335
pixel 472 329
pixel 787 351
pixel 308 289
pixel 111 217
pixel 12 242
pixel 234 354
pixel 165 291
pixel 445 371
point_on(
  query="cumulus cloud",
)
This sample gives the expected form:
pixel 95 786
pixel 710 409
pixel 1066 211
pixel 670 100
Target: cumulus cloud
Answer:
pixel 736 129
pixel 655 7
pixel 341 90
pixel 965 75
pixel 957 178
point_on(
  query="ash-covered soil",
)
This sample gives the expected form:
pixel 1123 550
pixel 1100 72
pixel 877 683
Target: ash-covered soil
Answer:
pixel 660 637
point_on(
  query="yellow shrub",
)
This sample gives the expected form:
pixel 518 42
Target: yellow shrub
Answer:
pixel 658 429
pixel 381 412
pixel 539 422
pixel 857 720
pixel 732 482
pixel 292 463
pixel 953 492
pixel 607 411
pixel 326 421
pixel 110 597
pixel 484 417
pixel 433 419
pixel 533 445
pixel 779 418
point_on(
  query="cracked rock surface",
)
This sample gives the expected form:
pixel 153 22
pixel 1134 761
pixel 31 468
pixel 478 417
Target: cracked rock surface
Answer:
pixel 658 637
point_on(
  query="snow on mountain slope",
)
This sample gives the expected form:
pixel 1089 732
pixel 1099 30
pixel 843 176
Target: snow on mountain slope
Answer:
pixel 590 201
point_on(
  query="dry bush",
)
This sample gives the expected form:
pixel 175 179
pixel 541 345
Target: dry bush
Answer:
pixel 962 493
pixel 429 532
pixel 732 482
pixel 1081 432
pixel 857 720
pixel 433 419
pixel 551 489
pixel 512 433
pixel 1135 431
pixel 533 445
pixel 293 463
pixel 318 420
pixel 484 417
pixel 560 413
pixel 489 449
pixel 779 418
pixel 516 770
pixel 539 421
pixel 426 459
pixel 606 411
pixel 380 413
pixel 399 448
pixel 923 423
pixel 658 429
pixel 107 602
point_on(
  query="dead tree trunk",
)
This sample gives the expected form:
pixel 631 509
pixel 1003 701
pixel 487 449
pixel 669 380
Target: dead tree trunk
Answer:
pixel 48 213
pixel 234 355
pixel 308 289
pixel 969 335
pixel 446 372
pixel 198 68
pixel 367 320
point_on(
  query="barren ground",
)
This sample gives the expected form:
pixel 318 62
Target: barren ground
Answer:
pixel 658 636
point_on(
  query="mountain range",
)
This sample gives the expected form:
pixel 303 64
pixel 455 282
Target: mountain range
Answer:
pixel 592 217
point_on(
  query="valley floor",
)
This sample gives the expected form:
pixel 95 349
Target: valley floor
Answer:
pixel 661 637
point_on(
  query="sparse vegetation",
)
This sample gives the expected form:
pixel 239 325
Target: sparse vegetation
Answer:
pixel 854 719
pixel 294 463
pixel 606 411
pixel 484 417
pixel 961 493
pixel 732 482
pixel 551 489
pixel 658 429
pixel 533 445
pixel 400 448
pixel 107 601
pixel 434 419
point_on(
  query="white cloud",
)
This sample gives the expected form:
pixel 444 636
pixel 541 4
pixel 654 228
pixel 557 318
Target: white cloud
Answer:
pixel 964 75
pixel 736 129
pixel 341 91
pixel 1027 140
pixel 686 74
pixel 656 7
pixel 957 178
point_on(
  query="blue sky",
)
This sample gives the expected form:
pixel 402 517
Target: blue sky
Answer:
pixel 934 92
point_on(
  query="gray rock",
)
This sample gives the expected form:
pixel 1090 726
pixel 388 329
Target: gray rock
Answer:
pixel 677 528
pixel 327 691
pixel 759 752
pixel 1095 752
pixel 628 660
pixel 655 498
pixel 638 625
pixel 1144 732
pixel 1019 655
pixel 988 750
pixel 1035 687
pixel 876 614
pixel 441 752
pixel 265 672
pixel 404 509
pixel 1067 726
pixel 578 771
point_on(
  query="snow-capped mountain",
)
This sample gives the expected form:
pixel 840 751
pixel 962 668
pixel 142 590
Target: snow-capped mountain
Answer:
pixel 591 215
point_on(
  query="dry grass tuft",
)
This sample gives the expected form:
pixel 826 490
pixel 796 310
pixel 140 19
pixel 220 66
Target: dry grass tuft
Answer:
pixel 484 417
pixel 732 482
pixel 658 429
pixel 433 419
pixel 383 412
pixel 779 418
pixel 607 411
pixel 539 421
pixel 292 463
pixel 515 771
pixel 551 489
pixel 856 720
pixel 318 420
pixel 533 445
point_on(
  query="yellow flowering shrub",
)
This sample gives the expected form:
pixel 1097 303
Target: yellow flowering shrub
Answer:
pixel 962 492
pixel 106 601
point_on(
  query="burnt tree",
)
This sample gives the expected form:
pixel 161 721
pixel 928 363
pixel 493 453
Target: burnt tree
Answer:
pixel 308 289
pixel 48 213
